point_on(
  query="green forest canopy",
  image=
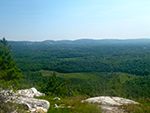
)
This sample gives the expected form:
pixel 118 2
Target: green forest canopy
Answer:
pixel 128 56
pixel 115 67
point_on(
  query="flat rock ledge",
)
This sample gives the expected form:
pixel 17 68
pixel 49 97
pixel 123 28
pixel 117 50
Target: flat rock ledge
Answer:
pixel 26 98
pixel 109 104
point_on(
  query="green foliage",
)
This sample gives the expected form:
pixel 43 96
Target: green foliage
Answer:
pixel 138 88
pixel 69 57
pixel 105 67
pixel 9 73
pixel 56 86
pixel 33 79
pixel 105 84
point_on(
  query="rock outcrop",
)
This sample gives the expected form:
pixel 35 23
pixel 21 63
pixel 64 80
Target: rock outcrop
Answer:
pixel 109 104
pixel 110 100
pixel 25 98
pixel 29 92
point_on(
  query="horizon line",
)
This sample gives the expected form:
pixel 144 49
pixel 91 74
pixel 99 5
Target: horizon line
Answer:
pixel 78 39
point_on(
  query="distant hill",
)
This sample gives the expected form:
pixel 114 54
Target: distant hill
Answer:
pixel 75 43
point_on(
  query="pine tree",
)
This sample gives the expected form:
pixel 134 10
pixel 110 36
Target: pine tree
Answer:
pixel 9 73
pixel 56 86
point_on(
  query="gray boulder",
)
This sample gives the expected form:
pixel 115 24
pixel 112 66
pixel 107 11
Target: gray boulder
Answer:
pixel 25 98
pixel 110 100
pixel 109 104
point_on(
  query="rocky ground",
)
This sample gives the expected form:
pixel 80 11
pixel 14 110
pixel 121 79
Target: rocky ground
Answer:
pixel 26 98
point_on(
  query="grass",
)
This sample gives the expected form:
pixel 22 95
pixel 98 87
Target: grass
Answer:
pixel 71 105
pixel 70 75
pixel 125 76
pixel 10 107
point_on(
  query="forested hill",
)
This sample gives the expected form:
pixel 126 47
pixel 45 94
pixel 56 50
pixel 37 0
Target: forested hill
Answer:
pixel 129 56
pixel 76 43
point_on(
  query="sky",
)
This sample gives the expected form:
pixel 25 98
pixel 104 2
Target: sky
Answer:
pixel 39 20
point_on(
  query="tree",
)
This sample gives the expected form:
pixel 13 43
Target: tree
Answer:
pixel 9 73
pixel 56 86
pixel 117 88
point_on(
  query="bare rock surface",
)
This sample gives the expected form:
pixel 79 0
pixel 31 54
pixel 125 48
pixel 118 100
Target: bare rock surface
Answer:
pixel 29 92
pixel 102 100
pixel 109 104
pixel 56 98
pixel 25 98
pixel 111 109
pixel 123 100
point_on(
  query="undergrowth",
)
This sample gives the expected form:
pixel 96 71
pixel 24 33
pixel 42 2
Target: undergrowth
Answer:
pixel 11 108
pixel 70 105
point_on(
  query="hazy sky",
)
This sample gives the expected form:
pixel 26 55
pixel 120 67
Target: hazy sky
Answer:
pixel 38 20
